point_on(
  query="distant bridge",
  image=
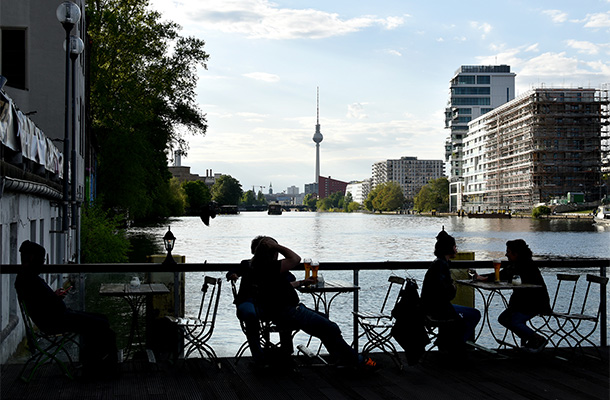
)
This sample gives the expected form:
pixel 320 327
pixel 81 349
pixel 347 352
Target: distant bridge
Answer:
pixel 286 208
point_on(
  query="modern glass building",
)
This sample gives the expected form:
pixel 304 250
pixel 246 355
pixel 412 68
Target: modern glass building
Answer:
pixel 474 91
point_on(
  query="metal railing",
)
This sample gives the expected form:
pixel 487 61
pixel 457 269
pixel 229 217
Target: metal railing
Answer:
pixel 600 265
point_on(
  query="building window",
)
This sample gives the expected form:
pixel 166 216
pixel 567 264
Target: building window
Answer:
pixel 483 80
pixel 13 57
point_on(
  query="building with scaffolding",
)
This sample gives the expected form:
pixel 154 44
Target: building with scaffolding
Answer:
pixel 540 146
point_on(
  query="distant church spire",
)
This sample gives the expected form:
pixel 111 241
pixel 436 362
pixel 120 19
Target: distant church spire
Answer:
pixel 317 137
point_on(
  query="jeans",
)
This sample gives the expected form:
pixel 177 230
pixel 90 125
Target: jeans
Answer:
pixel 515 321
pixel 471 317
pixel 318 325
pixel 251 316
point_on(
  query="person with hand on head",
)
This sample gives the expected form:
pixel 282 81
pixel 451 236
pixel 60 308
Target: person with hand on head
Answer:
pixel 48 311
pixel 523 304
pixel 437 292
pixel 280 300
pixel 251 312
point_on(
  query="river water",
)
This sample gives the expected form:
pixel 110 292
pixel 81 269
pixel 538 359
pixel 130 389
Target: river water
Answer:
pixel 362 237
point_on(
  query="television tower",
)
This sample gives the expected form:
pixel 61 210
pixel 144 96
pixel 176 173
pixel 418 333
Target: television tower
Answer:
pixel 317 137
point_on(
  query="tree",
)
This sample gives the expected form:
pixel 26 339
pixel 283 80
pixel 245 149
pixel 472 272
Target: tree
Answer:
pixel 261 199
pixel 226 191
pixel 102 239
pixel 143 76
pixel 248 198
pixel 386 196
pixel 177 196
pixel 310 201
pixel 197 195
pixel 433 196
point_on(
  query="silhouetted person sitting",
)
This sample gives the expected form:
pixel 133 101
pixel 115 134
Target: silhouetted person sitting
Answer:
pixel 47 309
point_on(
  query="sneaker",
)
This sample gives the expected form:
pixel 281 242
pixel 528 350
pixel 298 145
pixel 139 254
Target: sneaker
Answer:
pixel 536 344
pixel 369 364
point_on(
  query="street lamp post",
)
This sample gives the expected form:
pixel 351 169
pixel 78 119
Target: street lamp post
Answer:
pixel 68 15
pixel 168 241
pixel 76 46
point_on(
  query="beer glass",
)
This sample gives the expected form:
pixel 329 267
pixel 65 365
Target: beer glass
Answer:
pixel 307 265
pixel 497 265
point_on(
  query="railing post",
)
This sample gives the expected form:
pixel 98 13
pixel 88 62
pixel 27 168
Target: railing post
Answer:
pixel 355 310
pixel 604 316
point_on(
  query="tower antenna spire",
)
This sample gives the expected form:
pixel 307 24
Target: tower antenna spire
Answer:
pixel 318 105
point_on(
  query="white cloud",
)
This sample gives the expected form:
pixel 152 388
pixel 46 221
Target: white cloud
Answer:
pixel 484 27
pixel 583 47
pixel 599 20
pixel 557 16
pixel 392 52
pixel 263 19
pixel 262 76
pixel 356 111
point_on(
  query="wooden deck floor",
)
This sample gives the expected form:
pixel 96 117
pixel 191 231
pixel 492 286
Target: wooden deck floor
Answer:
pixel 520 376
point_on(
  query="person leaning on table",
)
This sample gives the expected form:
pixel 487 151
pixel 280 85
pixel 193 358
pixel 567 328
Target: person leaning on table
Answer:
pixel 47 309
pixel 524 304
pixel 437 292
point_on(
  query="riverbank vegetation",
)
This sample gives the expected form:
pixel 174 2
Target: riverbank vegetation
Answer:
pixel 433 196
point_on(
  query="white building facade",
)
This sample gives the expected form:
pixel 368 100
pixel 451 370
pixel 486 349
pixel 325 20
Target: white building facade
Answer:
pixel 33 183
pixel 409 172
pixel 359 190
pixel 537 147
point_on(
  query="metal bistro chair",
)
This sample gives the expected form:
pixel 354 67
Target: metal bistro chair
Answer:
pixel 377 326
pixel 198 330
pixel 576 328
pixel 569 283
pixel 45 347
pixel 266 329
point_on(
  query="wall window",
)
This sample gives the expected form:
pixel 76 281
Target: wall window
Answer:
pixel 13 57
pixel 466 80
pixel 483 80
pixel 470 101
pixel 471 90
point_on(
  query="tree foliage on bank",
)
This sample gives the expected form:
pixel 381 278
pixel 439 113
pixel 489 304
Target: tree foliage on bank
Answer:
pixel 143 76
pixel 102 238
pixel 227 191
pixel 386 196
pixel 197 195
pixel 433 196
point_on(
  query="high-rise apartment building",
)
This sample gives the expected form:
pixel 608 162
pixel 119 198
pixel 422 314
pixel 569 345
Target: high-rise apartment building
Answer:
pixel 539 146
pixel 474 91
pixel 409 172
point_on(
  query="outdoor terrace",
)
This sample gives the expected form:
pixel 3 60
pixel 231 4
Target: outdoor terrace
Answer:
pixel 562 373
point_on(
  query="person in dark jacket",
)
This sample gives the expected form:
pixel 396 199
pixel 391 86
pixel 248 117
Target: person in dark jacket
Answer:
pixel 250 313
pixel 437 292
pixel 524 304
pixel 48 311
pixel 281 302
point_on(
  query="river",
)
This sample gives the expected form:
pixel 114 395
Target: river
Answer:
pixel 361 237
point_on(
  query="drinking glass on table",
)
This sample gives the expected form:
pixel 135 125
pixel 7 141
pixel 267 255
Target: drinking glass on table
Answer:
pixel 472 273
pixel 497 266
pixel 307 265
pixel 315 265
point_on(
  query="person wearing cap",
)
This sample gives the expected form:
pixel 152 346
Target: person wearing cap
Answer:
pixel 48 311
pixel 437 292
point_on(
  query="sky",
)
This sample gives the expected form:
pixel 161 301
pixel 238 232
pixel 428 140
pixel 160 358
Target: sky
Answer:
pixel 382 68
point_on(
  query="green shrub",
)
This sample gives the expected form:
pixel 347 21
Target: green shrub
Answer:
pixel 540 210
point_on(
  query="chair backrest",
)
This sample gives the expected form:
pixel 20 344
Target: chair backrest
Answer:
pixel 569 280
pixel 209 299
pixel 396 285
pixel 596 280
pixel 30 332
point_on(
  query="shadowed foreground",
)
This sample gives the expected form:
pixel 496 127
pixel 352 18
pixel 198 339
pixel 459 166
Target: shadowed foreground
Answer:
pixel 553 374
